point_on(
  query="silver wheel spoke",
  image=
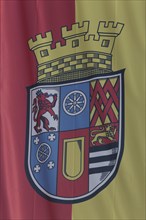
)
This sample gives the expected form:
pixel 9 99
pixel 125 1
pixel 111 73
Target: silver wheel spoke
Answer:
pixel 74 108
pixel 70 108
pixel 79 97
pixel 71 100
pixel 68 104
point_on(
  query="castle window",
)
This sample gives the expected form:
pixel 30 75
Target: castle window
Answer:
pixel 44 53
pixel 75 43
pixel 105 43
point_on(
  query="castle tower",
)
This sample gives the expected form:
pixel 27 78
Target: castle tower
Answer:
pixel 83 54
pixel 107 34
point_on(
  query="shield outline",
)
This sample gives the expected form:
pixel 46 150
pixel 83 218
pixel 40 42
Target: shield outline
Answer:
pixel 113 173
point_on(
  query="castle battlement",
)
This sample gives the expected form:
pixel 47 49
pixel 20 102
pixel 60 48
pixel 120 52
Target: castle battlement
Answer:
pixel 82 51
pixel 39 41
pixel 76 30
pixel 109 28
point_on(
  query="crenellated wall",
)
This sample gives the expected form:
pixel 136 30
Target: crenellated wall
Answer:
pixel 82 50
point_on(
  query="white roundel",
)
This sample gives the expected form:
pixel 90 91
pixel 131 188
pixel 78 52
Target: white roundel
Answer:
pixel 43 153
pixel 74 102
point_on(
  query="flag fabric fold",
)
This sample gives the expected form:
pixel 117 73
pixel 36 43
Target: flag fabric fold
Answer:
pixel 72 109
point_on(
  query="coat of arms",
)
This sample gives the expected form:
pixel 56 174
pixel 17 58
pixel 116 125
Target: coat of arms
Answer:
pixel 75 117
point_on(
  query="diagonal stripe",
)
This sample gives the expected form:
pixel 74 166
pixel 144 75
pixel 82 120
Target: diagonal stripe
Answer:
pixel 92 113
pixel 115 111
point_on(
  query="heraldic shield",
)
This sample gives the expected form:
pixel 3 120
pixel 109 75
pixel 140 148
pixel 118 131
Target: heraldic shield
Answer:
pixel 75 136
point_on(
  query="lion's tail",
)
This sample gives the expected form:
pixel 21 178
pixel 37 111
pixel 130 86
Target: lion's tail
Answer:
pixel 94 132
pixel 35 109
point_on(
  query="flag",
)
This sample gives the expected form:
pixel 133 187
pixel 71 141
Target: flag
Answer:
pixel 72 110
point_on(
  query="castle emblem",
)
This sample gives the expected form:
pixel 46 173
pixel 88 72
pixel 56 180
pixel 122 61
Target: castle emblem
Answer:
pixel 75 114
